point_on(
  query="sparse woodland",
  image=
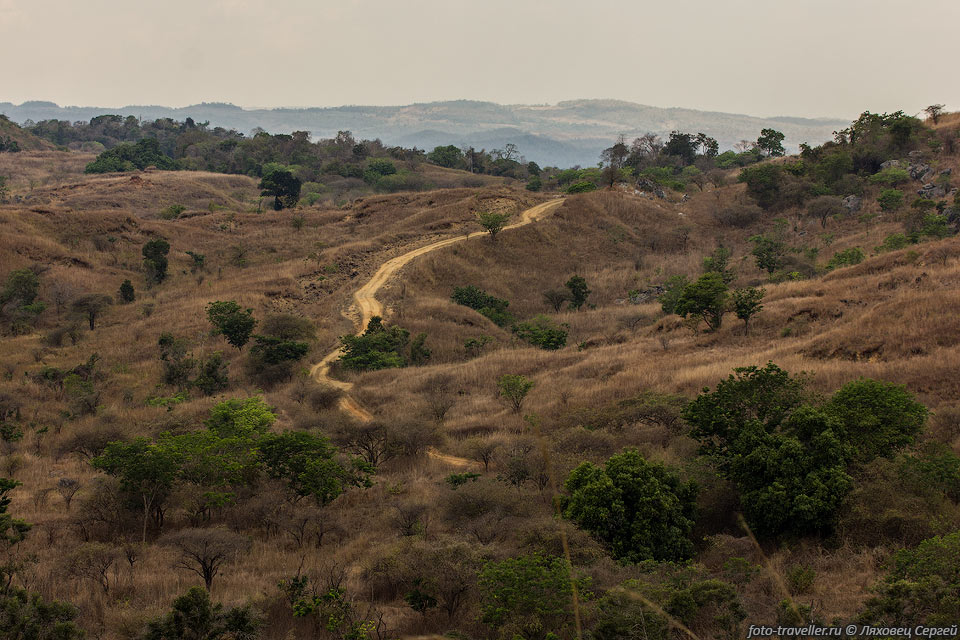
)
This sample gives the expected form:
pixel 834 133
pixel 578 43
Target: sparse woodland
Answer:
pixel 706 390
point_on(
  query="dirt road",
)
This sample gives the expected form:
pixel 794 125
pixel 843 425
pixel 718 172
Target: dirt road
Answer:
pixel 366 303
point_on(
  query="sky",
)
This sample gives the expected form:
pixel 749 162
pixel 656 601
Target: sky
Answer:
pixel 806 58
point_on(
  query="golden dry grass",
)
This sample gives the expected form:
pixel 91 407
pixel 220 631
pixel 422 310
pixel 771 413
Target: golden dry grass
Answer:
pixel 892 317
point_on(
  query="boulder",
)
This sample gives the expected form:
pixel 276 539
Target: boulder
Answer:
pixel 894 164
pixel 918 171
pixel 931 191
pixel 852 203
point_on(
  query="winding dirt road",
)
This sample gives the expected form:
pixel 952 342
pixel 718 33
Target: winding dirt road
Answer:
pixel 366 303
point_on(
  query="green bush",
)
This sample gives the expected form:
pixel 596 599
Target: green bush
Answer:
pixel 640 511
pixel 127 157
pixel 582 186
pixel 891 177
pixel 487 305
pixel 379 347
pixel 893 242
pixel 890 199
pixel 542 332
pixel 845 258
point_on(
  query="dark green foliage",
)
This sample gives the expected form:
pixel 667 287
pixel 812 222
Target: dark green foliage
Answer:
pixel 457 480
pixel 178 365
pixel 921 586
pixel 378 347
pixel 309 466
pixel 12 530
pixel 273 350
pixel 194 617
pixel 212 376
pixel 890 199
pixel 578 291
pixel 891 176
pixel 534 183
pixel 528 597
pixel 764 183
pixel 381 167
pixel 126 292
pixel 673 289
pixel 790 460
pixel 233 322
pixel 747 302
pixel 21 288
pixel 893 242
pixel 583 186
pixel 449 156
pixel 27 616
pixel 877 417
pixel 127 157
pixel 846 258
pixel 769 252
pixel 542 332
pixel 770 142
pixel 282 185
pixel 418 599
pixel 708 607
pixel 706 298
pixel 419 351
pixel 155 259
pixel 640 511
pixel 480 301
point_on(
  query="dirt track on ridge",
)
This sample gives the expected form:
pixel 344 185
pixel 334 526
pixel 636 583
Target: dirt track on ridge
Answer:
pixel 365 301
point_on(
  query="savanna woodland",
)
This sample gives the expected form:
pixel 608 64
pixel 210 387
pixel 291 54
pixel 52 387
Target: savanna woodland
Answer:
pixel 260 386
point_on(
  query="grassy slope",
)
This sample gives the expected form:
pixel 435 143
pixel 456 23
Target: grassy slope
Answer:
pixel 892 317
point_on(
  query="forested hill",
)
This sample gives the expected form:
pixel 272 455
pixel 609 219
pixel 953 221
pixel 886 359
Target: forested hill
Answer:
pixel 565 134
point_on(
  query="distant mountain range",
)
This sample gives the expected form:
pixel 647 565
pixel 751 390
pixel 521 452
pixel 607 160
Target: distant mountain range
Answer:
pixel 566 134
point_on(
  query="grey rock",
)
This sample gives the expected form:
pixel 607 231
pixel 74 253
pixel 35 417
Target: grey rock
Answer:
pixel 931 191
pixel 917 171
pixel 946 172
pixel 896 164
pixel 852 203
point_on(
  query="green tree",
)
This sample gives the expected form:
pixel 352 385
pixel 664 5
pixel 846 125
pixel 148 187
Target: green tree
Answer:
pixel 155 259
pixel 233 322
pixel 146 471
pixel 770 142
pixel 21 288
pixel 579 292
pixel 378 347
pixel 514 388
pixel 213 376
pixel 640 511
pixel 126 292
pixel 483 303
pixel 672 290
pixel 769 252
pixel 241 418
pixel 194 617
pixel 890 199
pixel 878 417
pixel 282 185
pixel 447 156
pixel 747 302
pixel 419 351
pixel 764 183
pixel 706 298
pixel 492 222
pixel 920 587
pixel 12 530
pixel 91 305
pixel 25 615
pixel 529 597
pixel 785 458
pixel 934 111
pixel 719 262
pixel 309 466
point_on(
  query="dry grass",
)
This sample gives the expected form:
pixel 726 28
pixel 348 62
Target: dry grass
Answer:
pixel 892 317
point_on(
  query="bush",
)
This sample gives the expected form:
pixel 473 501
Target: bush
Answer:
pixel 845 258
pixel 378 347
pixel 542 332
pixel 890 199
pixel 738 216
pixel 706 298
pixel 893 242
pixel 583 186
pixel 480 301
pixel 891 177
pixel 640 511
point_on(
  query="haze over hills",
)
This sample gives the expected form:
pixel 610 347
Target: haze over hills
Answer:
pixel 565 134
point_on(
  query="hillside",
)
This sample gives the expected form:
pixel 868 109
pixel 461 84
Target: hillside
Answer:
pixel 437 491
pixel 13 139
pixel 562 135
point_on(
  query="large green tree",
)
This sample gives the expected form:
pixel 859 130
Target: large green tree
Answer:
pixel 232 321
pixel 706 298
pixel 640 511
pixel 282 185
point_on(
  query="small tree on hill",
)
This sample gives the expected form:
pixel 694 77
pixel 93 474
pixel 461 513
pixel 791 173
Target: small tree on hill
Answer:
pixel 706 298
pixel 91 306
pixel 194 616
pixel 282 185
pixel 578 291
pixel 771 142
pixel 824 207
pixel 555 298
pixel 203 551
pixel 155 259
pixel 747 303
pixel 514 388
pixel 126 293
pixel 233 322
pixel 934 111
pixel 492 222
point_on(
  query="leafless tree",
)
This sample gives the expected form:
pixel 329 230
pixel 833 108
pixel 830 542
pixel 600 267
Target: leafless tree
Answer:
pixel 204 551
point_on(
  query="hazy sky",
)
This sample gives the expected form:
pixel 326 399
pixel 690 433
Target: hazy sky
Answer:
pixel 762 57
